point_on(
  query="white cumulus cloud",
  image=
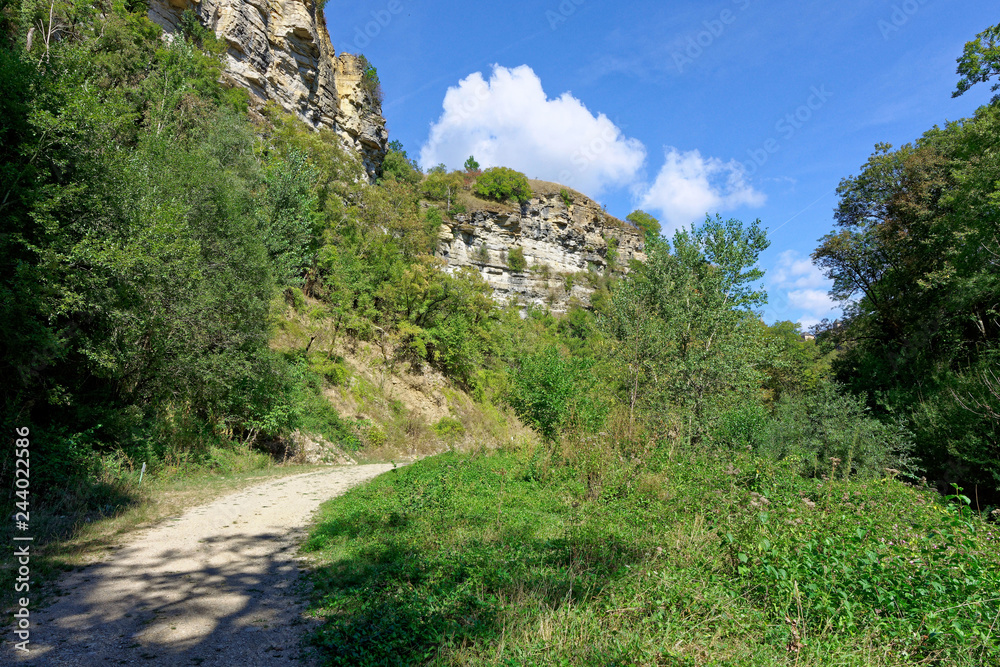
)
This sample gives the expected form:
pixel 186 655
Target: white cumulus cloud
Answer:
pixel 799 291
pixel 690 185
pixel 509 121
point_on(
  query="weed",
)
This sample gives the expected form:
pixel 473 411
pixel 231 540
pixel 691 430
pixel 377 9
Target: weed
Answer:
pixel 570 555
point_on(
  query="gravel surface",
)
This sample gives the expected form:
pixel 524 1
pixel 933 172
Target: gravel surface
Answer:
pixel 215 586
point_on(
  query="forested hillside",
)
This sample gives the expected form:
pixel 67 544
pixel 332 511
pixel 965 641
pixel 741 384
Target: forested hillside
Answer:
pixel 180 268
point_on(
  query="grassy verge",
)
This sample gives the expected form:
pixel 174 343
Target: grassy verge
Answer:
pixel 76 526
pixel 706 559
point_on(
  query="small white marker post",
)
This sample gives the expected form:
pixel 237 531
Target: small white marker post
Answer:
pixel 142 472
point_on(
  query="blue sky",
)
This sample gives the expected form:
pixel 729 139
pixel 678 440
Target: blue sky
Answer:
pixel 746 108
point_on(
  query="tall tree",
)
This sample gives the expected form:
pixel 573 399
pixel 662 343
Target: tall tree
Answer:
pixel 682 325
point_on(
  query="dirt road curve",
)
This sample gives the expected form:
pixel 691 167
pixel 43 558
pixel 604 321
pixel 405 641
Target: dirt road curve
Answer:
pixel 213 587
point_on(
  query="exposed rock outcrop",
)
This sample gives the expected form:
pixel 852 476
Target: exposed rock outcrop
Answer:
pixel 564 246
pixel 280 50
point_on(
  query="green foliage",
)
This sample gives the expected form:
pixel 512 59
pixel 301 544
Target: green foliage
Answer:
pixel 645 223
pixel 471 165
pixel 566 197
pixel 203 37
pixel 795 364
pixel 146 228
pixel 449 427
pixel 434 220
pixel 612 251
pixel 397 166
pixel 825 425
pixel 503 183
pixel 682 329
pixel 332 370
pixel 916 227
pixel 447 320
pixel 516 260
pixel 840 571
pixel 742 427
pixel 553 393
pixel 370 83
pixel 301 404
pixel 434 558
pixel 980 62
pixel 442 186
pixel 290 223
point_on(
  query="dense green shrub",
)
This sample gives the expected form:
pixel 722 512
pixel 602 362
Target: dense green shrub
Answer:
pixel 742 427
pixel 503 183
pixel 552 392
pixel 819 427
pixel 645 223
pixel 398 166
pixel 516 260
pixel 449 427
pixel 333 370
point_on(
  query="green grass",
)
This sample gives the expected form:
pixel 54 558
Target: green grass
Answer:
pixel 707 559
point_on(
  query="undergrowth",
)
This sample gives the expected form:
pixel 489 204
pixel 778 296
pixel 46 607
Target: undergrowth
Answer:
pixel 703 559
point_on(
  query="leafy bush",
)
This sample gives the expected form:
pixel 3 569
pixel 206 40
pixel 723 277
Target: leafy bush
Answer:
pixel 202 36
pixel 333 370
pixel 552 393
pixel 516 260
pixel 449 427
pixel 824 425
pixel 503 183
pixel 397 166
pixel 370 82
pixel 743 427
pixel 645 223
pixel 566 198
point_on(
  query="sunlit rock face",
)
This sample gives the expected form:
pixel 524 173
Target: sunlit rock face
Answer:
pixel 566 239
pixel 280 50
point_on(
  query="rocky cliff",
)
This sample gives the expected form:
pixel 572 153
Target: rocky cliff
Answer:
pixel 567 241
pixel 280 50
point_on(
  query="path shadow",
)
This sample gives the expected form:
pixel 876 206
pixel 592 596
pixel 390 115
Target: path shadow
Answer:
pixel 233 602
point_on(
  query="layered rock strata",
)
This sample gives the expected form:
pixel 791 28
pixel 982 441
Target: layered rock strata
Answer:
pixel 280 50
pixel 566 243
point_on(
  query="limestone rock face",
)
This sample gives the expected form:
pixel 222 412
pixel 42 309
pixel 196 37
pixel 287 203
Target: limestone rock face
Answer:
pixel 359 116
pixel 564 245
pixel 280 50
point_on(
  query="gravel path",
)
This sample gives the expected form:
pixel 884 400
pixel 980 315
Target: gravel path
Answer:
pixel 212 587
